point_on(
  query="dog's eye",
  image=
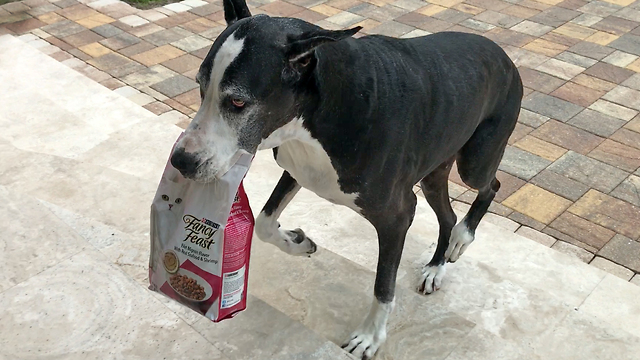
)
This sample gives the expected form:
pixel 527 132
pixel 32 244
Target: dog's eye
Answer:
pixel 237 103
pixel 165 198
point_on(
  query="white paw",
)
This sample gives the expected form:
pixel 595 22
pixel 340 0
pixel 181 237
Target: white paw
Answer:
pixel 460 239
pixel 431 278
pixel 364 342
pixel 293 242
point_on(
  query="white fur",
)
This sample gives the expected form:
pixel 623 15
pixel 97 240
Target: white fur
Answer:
pixel 292 130
pixel 461 238
pixel 366 340
pixel 209 135
pixel 432 278
pixel 267 230
pixel 305 159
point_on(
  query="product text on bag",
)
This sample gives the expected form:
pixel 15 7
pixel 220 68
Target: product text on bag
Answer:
pixel 200 231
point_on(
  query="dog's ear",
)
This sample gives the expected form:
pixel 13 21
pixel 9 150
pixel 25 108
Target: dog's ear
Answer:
pixel 235 10
pixel 300 50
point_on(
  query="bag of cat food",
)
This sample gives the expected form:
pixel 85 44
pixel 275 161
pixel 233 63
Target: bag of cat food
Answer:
pixel 201 241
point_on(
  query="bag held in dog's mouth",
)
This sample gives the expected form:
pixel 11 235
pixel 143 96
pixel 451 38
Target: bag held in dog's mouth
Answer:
pixel 201 241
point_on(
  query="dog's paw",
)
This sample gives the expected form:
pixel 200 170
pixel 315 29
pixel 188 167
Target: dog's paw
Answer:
pixel 461 238
pixel 364 343
pixel 431 278
pixel 297 243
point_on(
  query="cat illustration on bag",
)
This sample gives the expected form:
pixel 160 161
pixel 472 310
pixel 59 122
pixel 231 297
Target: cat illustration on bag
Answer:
pixel 166 212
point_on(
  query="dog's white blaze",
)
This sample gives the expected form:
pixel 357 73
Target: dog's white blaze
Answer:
pixel 305 159
pixel 209 135
pixel 373 330
pixel 228 52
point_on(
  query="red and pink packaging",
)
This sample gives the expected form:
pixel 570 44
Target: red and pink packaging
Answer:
pixel 201 241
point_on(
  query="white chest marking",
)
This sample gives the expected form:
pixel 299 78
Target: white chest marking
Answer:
pixel 305 159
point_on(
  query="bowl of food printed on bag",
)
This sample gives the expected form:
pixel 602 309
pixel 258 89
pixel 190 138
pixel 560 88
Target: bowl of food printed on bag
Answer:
pixel 190 286
pixel 171 261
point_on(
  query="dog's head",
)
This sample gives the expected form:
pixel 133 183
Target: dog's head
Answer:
pixel 251 84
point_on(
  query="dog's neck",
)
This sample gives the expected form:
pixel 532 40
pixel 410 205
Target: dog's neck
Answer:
pixel 293 130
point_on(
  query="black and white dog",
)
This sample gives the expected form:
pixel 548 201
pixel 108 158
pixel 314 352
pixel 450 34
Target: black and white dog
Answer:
pixel 359 122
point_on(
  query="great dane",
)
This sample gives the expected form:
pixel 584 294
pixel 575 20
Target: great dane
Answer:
pixel 359 122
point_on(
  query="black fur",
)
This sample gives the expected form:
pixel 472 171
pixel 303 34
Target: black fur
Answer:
pixel 389 113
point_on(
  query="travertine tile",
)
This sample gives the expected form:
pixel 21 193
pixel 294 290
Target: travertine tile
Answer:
pixel 614 304
pixel 64 311
pixel 29 249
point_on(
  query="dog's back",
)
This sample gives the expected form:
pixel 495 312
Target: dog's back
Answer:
pixel 424 96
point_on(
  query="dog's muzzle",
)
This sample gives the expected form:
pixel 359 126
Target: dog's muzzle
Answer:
pixel 186 163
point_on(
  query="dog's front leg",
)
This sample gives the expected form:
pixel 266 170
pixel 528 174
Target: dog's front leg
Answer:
pixel 392 230
pixel 293 242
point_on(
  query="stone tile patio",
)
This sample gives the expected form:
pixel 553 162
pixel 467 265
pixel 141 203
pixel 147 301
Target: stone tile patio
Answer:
pixel 78 166
pixel 572 166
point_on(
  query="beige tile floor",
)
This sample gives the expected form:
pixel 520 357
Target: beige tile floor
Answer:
pixel 74 249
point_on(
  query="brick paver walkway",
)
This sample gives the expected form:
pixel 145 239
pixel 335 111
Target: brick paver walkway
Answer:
pixel 572 168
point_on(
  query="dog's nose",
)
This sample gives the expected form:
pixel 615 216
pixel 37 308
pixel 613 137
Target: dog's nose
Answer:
pixel 185 162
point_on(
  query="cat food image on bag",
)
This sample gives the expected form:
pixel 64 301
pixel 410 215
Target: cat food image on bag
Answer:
pixel 201 241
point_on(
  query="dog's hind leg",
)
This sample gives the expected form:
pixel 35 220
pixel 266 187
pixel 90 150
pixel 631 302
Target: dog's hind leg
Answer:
pixel 293 242
pixel 478 162
pixel 435 189
pixel 392 226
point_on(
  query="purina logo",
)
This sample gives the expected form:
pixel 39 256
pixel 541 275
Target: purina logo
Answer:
pixel 200 231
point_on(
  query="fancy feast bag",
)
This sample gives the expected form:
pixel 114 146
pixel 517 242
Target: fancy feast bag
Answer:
pixel 201 241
